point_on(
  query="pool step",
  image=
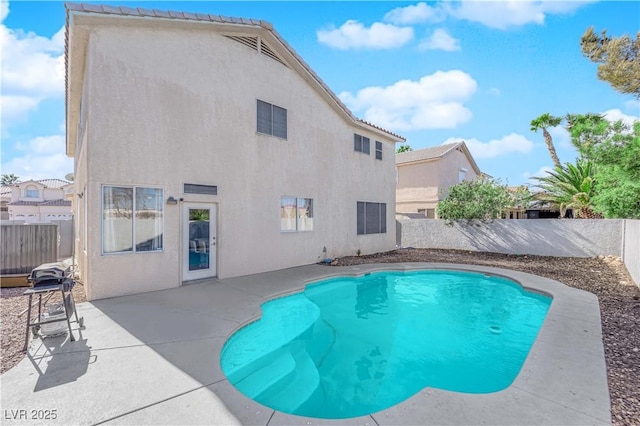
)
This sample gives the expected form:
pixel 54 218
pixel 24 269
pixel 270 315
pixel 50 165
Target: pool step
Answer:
pixel 293 390
pixel 265 373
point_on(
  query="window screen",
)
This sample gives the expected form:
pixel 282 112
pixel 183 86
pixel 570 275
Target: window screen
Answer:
pixel 272 120
pixel 372 218
pixel 378 150
pixel 361 143
pixel 264 117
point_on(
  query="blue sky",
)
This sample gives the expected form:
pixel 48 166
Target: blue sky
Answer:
pixel 434 72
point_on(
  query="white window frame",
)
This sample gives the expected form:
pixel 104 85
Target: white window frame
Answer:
pixel 30 190
pixel 462 174
pixel 133 220
pixel 378 150
pixel 298 222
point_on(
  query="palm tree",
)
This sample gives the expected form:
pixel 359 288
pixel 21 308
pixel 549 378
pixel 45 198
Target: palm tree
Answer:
pixel 569 187
pixel 10 178
pixel 542 122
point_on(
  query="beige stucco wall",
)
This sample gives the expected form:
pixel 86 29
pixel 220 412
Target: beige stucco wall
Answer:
pixel 422 184
pixel 169 106
pixel 82 197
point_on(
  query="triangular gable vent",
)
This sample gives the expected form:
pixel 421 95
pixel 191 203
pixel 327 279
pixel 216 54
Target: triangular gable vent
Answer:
pixel 266 50
pixel 252 42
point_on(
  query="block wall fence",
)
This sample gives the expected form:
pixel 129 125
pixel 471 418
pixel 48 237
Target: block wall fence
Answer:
pixel 545 237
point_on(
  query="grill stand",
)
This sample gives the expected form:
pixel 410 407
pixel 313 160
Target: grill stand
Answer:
pixel 68 304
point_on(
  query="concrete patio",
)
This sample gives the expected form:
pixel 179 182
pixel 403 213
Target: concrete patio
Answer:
pixel 154 358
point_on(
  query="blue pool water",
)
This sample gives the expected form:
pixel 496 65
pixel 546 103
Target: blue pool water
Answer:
pixel 348 347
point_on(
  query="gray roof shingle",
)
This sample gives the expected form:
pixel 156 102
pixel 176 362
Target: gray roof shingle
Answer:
pixel 60 203
pixel 425 154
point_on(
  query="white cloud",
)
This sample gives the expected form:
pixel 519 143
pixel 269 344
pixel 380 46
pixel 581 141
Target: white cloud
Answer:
pixel 15 108
pixel 513 13
pixel 435 101
pixel 440 40
pixel 541 172
pixel 42 158
pixel 32 69
pixel 616 114
pixel 415 14
pixel 560 137
pixel 633 106
pixel 353 35
pixel 512 143
pixel 494 91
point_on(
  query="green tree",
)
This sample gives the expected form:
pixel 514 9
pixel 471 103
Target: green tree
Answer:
pixel 480 199
pixel 8 179
pixel 571 186
pixel 543 122
pixel 404 148
pixel 614 147
pixel 619 59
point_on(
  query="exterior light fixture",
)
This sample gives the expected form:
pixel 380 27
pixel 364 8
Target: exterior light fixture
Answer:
pixel 172 201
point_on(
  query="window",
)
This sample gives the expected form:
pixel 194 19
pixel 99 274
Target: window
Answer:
pixel 296 214
pixel 372 218
pixel 378 150
pixel 31 192
pixel 360 143
pixel 462 173
pixel 272 120
pixel 132 219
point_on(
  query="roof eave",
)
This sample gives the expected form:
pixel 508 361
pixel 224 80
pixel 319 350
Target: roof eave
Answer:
pixel 75 58
pixel 472 161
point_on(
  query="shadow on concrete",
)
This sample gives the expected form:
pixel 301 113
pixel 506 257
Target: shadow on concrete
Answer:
pixel 52 361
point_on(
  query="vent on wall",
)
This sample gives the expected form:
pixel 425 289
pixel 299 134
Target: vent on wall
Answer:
pixel 266 50
pixel 252 42
pixel 193 188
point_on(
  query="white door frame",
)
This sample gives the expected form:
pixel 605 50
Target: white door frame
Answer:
pixel 200 250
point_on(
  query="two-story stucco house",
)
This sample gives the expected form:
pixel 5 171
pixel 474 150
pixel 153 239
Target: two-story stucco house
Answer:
pixel 425 175
pixel 37 201
pixel 205 146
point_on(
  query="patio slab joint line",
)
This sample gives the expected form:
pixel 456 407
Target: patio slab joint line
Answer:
pixel 557 403
pixel 271 417
pixel 157 402
pixel 374 420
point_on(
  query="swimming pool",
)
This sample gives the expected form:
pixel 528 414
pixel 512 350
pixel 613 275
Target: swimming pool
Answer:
pixel 346 347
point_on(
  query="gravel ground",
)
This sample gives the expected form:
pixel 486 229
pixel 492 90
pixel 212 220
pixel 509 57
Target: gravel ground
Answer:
pixel 13 325
pixel 606 277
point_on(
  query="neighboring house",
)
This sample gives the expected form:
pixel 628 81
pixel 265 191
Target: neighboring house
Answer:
pixel 5 199
pixel 38 201
pixel 424 176
pixel 205 146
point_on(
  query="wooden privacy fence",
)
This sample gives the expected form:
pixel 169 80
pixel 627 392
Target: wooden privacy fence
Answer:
pixel 25 247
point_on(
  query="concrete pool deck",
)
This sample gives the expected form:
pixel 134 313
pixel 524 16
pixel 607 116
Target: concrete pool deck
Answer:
pixel 154 358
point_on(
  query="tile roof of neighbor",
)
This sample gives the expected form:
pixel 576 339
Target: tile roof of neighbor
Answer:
pixel 53 183
pixel 425 154
pixel 155 13
pixel 62 203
